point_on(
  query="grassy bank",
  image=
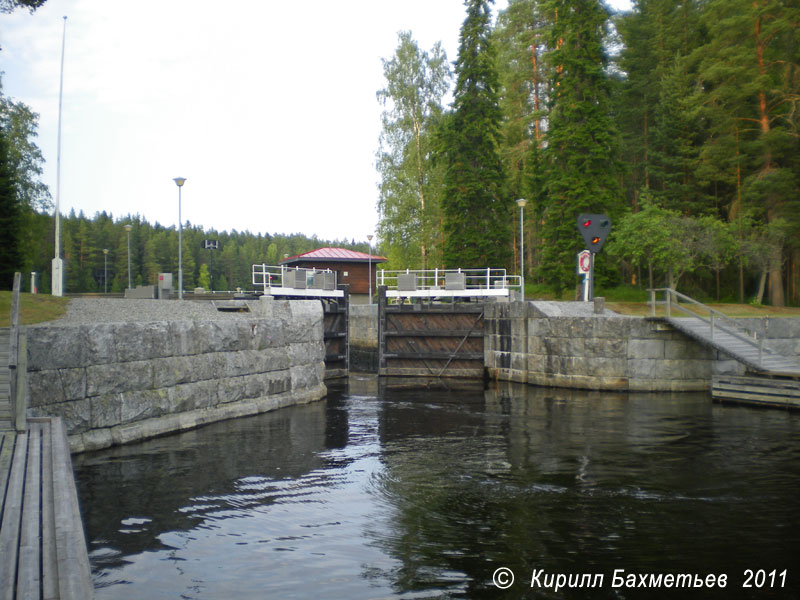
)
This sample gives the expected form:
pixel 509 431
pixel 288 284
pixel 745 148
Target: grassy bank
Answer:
pixel 34 308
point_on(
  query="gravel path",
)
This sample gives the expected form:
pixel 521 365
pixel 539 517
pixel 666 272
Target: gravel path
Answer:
pixel 569 309
pixel 113 310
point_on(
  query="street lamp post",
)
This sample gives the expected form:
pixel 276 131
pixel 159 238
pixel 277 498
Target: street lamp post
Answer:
pixel 179 181
pixel 369 238
pixel 128 228
pixel 521 203
pixel 105 270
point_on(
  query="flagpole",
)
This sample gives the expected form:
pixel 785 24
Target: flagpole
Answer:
pixel 58 264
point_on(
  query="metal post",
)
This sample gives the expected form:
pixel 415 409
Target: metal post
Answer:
pixel 105 270
pixel 179 181
pixel 369 268
pixel 712 325
pixel 668 294
pixel 652 303
pixel 180 247
pixel 521 202
pixel 57 279
pixel 128 229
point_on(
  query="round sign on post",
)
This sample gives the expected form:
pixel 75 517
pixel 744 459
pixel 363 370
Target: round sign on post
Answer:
pixel 584 262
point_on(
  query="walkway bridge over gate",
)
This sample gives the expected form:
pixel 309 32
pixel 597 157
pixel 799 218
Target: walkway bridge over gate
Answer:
pixel 772 377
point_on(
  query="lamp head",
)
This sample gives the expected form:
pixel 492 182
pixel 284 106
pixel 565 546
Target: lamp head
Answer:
pixel 179 181
pixel 522 202
pixel 128 227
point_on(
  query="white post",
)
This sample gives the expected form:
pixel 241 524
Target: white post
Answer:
pixel 369 268
pixel 179 181
pixel 57 278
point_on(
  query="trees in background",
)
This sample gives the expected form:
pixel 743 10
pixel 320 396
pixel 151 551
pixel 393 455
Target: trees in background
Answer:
pixel 154 250
pixel 580 160
pixel 685 111
pixel 22 194
pixel 476 209
pixel 10 219
pixel 410 191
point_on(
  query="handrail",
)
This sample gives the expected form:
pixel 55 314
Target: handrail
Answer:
pixel 269 276
pixel 756 340
pixel 17 375
pixel 436 279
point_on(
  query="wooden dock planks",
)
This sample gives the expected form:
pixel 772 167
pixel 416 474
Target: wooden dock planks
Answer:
pixel 764 391
pixel 42 543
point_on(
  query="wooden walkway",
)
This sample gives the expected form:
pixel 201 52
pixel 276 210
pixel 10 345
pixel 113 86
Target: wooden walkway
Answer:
pixel 42 543
pixel 5 380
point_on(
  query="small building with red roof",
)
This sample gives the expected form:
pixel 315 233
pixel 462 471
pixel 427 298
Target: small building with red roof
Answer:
pixel 351 267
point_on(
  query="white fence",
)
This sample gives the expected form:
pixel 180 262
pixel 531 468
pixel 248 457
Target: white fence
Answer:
pixel 436 283
pixel 286 281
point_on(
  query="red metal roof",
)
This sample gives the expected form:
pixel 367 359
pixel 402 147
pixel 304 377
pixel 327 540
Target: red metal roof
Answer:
pixel 333 255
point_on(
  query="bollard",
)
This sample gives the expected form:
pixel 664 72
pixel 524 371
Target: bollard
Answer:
pixel 599 305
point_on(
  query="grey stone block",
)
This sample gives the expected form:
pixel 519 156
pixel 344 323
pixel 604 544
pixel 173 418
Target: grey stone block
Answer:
pixel 118 377
pixel 645 348
pixel 606 347
pixel 143 340
pixel 106 411
pixel 55 385
pixel 57 347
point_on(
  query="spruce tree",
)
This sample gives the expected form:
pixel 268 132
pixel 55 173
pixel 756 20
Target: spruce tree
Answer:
pixel 476 213
pixel 580 157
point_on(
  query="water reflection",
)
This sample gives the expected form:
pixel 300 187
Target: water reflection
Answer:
pixel 400 493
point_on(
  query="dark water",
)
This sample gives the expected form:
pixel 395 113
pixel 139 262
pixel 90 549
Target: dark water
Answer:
pixel 425 494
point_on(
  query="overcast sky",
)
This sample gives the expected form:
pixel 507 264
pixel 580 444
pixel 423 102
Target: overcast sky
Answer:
pixel 268 109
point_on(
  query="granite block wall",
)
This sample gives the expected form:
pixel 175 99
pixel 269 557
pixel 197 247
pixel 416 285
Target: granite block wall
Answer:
pixel 114 383
pixel 609 352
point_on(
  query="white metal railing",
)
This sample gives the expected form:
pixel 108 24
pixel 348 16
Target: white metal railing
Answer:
pixel 268 277
pixel 432 282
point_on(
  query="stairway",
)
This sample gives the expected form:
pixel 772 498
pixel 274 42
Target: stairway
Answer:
pixel 738 345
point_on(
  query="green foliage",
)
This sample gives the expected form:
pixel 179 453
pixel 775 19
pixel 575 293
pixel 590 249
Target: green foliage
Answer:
pixel 580 160
pixel 410 187
pixel 204 277
pixel 10 219
pixel 8 6
pixel 19 125
pixel 475 209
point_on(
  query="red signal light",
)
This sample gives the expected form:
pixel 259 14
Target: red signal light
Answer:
pixel 587 223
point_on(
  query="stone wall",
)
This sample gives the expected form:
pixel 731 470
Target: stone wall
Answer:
pixel 114 383
pixel 364 337
pixel 609 352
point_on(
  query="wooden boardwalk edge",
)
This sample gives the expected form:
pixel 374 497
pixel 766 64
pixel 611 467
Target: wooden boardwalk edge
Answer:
pixel 43 552
pixel 783 393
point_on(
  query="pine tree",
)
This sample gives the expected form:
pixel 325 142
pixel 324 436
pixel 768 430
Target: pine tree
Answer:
pixel 581 155
pixel 749 72
pixel 520 37
pixel 476 212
